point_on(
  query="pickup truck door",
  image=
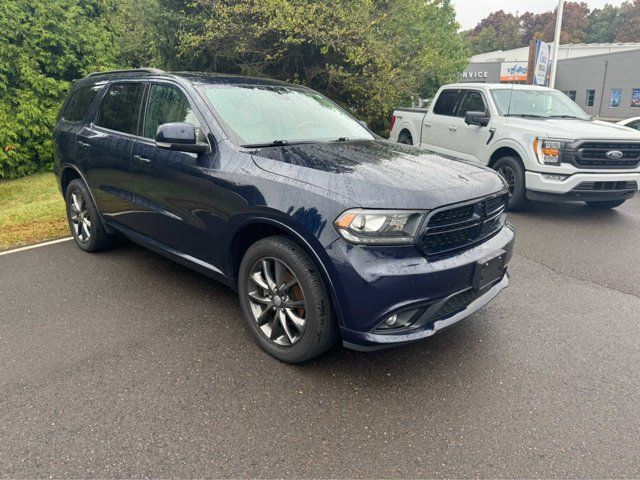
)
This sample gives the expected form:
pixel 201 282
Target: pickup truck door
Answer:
pixel 473 138
pixel 442 131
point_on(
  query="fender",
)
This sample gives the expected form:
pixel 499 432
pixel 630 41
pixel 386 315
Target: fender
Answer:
pixel 508 143
pixel 406 125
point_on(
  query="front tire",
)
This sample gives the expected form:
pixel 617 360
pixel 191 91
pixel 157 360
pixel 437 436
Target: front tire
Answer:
pixel 84 219
pixel 284 301
pixel 605 205
pixel 511 169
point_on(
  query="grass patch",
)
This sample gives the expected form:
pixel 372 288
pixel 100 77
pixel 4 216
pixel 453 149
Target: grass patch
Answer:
pixel 31 210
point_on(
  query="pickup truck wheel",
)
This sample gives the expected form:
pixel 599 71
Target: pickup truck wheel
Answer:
pixel 284 301
pixel 605 205
pixel 512 171
pixel 84 220
pixel 406 138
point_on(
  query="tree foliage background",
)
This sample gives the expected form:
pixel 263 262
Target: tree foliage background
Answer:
pixel 369 55
pixel 504 31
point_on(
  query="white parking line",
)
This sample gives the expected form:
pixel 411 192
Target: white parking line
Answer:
pixel 37 245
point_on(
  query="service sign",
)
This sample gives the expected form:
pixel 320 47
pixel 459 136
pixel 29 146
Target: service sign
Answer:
pixel 513 72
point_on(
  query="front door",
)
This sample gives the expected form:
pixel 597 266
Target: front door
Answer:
pixel 171 187
pixel 473 138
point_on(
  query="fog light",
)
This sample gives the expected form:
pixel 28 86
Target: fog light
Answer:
pixel 554 176
pixel 391 320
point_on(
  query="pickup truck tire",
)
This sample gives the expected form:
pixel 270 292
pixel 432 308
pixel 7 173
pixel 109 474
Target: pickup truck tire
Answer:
pixel 405 137
pixel 605 205
pixel 285 302
pixel 512 171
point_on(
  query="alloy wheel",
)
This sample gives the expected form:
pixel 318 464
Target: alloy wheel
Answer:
pixel 80 217
pixel 510 177
pixel 277 301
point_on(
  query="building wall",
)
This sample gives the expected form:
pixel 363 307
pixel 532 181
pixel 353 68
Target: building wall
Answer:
pixel 582 74
pixel 482 72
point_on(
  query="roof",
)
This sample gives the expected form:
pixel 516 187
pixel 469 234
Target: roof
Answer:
pixel 568 50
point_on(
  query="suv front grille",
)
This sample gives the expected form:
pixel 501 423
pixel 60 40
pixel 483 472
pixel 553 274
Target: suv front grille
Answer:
pixel 594 155
pixel 456 228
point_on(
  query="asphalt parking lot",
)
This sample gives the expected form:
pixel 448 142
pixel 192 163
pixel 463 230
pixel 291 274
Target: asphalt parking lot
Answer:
pixel 124 364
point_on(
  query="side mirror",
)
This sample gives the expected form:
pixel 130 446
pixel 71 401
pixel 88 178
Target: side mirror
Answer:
pixel 477 118
pixel 181 137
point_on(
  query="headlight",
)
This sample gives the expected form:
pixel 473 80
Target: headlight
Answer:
pixel 549 152
pixel 380 227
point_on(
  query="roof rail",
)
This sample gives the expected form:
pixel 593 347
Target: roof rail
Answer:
pixel 156 71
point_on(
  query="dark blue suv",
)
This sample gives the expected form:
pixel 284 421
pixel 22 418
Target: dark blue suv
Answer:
pixel 327 231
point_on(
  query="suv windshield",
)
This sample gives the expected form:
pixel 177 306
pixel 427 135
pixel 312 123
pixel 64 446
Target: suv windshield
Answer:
pixel 536 104
pixel 261 115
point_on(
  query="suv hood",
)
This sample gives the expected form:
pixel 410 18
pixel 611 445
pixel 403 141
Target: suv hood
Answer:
pixel 381 174
pixel 576 129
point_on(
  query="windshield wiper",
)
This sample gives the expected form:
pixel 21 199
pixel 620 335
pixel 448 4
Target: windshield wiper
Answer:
pixel 275 143
pixel 341 139
pixel 567 116
pixel 525 115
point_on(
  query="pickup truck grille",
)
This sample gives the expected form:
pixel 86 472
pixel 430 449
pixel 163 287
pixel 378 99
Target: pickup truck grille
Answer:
pixel 594 155
pixel 457 228
pixel 606 186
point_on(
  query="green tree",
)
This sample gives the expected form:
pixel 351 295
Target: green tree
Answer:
pixel 369 55
pixel 629 23
pixel 498 31
pixel 603 24
pixel 43 47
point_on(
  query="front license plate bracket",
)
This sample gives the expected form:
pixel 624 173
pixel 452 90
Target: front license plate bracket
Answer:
pixel 489 270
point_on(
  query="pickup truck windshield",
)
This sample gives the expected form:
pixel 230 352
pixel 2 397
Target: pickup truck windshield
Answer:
pixel 261 115
pixel 536 104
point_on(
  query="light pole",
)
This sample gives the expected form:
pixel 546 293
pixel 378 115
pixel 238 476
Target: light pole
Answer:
pixel 556 44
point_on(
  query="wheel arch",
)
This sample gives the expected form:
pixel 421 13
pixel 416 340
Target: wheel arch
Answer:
pixel 504 151
pixel 253 230
pixel 68 173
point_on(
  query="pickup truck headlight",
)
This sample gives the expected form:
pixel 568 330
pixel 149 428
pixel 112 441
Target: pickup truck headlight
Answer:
pixel 549 152
pixel 379 227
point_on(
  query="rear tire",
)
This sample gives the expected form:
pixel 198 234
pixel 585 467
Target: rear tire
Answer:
pixel 84 219
pixel 512 171
pixel 285 302
pixel 605 205
pixel 405 138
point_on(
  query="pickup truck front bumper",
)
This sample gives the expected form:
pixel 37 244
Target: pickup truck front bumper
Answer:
pixel 582 187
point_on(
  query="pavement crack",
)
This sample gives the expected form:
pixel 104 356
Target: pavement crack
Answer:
pixel 565 274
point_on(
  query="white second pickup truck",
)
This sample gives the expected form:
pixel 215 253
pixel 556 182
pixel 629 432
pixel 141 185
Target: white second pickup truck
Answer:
pixel 544 145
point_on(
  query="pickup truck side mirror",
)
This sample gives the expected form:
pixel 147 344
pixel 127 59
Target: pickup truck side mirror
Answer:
pixel 179 136
pixel 477 118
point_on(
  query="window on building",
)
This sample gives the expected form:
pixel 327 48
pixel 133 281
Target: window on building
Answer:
pixel 591 98
pixel 119 108
pixel 571 94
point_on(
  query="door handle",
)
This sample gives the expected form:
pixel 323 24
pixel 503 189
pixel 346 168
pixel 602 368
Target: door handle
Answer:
pixel 83 144
pixel 452 128
pixel 427 124
pixel 141 159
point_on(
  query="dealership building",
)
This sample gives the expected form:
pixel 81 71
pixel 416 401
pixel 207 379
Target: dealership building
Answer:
pixel 603 79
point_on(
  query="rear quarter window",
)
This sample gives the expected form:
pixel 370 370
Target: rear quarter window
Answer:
pixel 76 108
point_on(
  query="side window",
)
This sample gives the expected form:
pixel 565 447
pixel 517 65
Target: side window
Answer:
pixel 472 102
pixel 119 108
pixel 77 106
pixel 635 125
pixel 447 102
pixel 167 104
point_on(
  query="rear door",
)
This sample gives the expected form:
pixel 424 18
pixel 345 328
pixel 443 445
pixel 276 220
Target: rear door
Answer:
pixel 473 138
pixel 443 131
pixel 107 145
pixel 171 187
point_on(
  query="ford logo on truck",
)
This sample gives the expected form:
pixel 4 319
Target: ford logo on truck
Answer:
pixel 615 154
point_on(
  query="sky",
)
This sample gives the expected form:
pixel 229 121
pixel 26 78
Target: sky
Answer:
pixel 470 12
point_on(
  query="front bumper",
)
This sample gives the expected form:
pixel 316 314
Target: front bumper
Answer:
pixel 578 187
pixel 371 284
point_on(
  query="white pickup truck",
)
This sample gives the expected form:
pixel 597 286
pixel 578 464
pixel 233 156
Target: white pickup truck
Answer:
pixel 542 143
